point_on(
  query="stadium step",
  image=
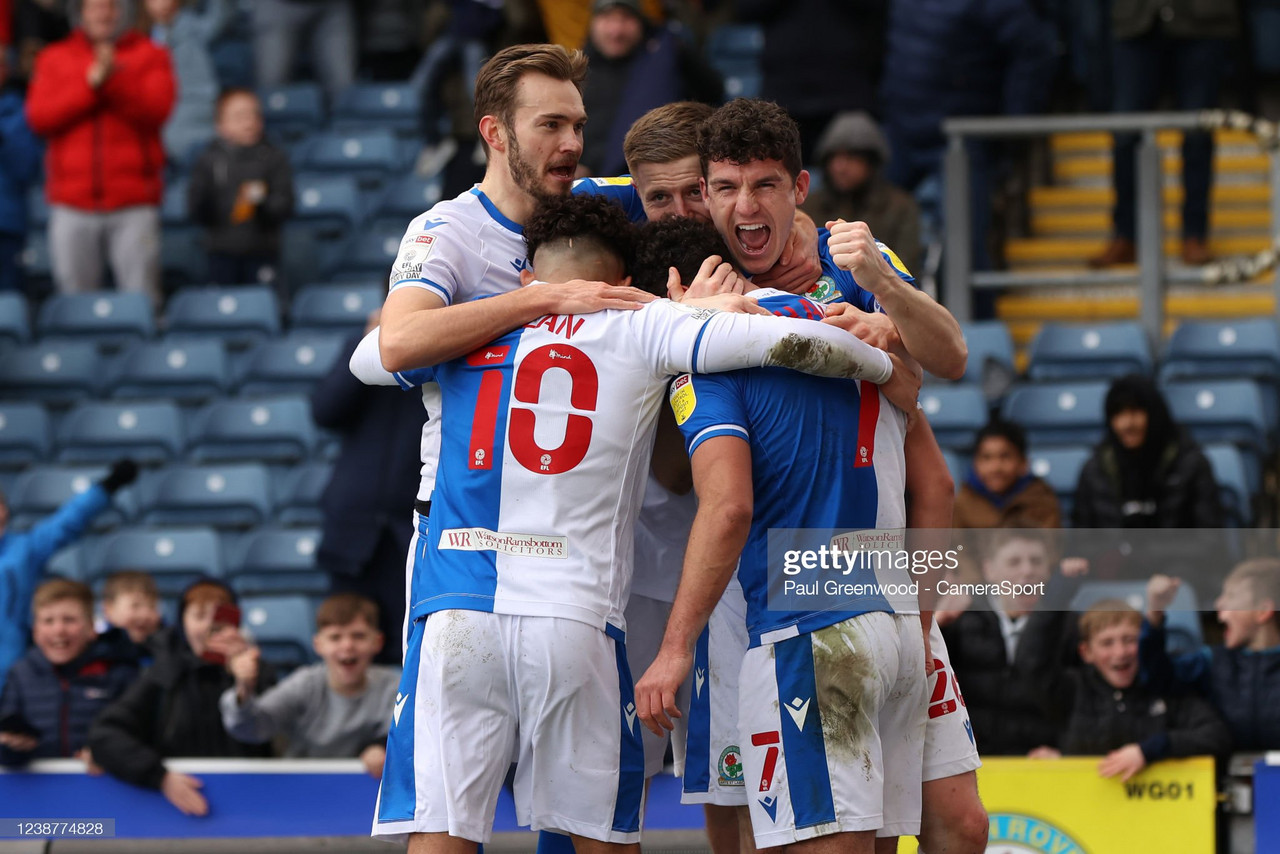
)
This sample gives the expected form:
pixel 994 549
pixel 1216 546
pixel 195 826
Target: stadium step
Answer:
pixel 1076 143
pixel 1097 223
pixel 1228 167
pixel 1067 198
pixel 1073 252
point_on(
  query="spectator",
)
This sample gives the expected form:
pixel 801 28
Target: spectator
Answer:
pixel 1108 713
pixel 19 169
pixel 566 22
pixel 989 648
pixel 1241 676
pixel 23 556
pixel 241 191
pixel 1146 472
pixel 172 710
pixel 853 154
pixel 329 27
pixel 56 690
pixel 1000 487
pixel 820 58
pixel 333 710
pixel 36 24
pixel 634 67
pixel 189 35
pixel 374 479
pixel 99 98
pixel 130 602
pixel 1187 42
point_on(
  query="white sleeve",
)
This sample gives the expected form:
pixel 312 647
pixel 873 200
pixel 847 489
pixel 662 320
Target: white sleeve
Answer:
pixel 679 339
pixel 430 257
pixel 366 362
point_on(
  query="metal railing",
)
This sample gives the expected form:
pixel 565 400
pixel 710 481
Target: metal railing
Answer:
pixel 1152 274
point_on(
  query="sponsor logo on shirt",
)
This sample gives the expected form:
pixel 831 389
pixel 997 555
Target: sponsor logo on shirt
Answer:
pixel 825 291
pixel 484 540
pixel 682 398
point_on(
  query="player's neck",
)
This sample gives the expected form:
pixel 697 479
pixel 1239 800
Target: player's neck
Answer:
pixel 514 203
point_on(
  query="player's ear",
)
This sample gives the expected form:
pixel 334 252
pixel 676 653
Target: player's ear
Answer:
pixel 527 276
pixel 492 132
pixel 802 186
pixel 625 283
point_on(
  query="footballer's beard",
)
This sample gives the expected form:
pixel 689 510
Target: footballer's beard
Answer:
pixel 526 175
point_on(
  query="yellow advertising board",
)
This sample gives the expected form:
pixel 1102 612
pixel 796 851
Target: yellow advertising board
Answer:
pixel 1063 807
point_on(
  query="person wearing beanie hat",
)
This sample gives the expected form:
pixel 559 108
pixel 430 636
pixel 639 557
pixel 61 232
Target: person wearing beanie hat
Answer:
pixel 172 710
pixel 23 555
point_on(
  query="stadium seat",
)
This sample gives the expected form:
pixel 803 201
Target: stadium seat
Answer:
pixel 274 430
pixel 282 627
pixel 41 490
pixel 1088 351
pixel 149 432
pixel 1222 411
pixel 271 560
pixel 225 496
pixel 1182 620
pixel 406 198
pixel 957 467
pixel 334 308
pixel 110 319
pixel 327 199
pixel 37 266
pixel 15 324
pixel 68 562
pixel 289 365
pixel 371 156
pixel 237 316
pixel 174 557
pixel 734 50
pixel 293 112
pixel 25 434
pixel 37 208
pixel 397 106
pixel 56 372
pixel 301 490
pixel 369 255
pixel 1060 468
pixel 956 414
pixel 186 371
pixel 1056 414
pixel 990 350
pixel 183 263
pixel 1231 472
pixel 1231 349
pixel 173 207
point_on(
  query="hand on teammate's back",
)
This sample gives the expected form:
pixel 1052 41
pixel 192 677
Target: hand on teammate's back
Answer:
pixel 853 248
pixel 799 267
pixel 871 328
pixel 582 297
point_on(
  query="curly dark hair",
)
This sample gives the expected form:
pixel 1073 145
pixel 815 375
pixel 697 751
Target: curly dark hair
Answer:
pixel 592 218
pixel 680 242
pixel 749 129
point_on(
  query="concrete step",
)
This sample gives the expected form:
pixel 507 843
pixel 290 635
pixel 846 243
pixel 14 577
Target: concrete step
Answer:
pixel 1252 195
pixel 1077 143
pixel 1073 252
pixel 1228 168
pixel 1253 222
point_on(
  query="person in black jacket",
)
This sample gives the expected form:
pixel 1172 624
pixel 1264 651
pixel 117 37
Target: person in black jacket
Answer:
pixel 172 710
pixel 241 191
pixel 54 692
pixel 368 502
pixel 1105 711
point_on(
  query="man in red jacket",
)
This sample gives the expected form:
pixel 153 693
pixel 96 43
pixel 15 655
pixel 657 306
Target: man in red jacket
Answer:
pixel 99 98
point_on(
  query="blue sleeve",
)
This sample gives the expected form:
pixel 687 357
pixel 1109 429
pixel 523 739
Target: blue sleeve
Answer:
pixel 64 526
pixel 621 191
pixel 706 406
pixel 839 285
pixel 415 377
pixel 1164 672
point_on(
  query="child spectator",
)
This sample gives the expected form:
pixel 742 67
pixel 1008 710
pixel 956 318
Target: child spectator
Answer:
pixel 56 690
pixel 1108 713
pixel 339 708
pixel 241 191
pixel 130 602
pixel 20 152
pixel 1000 486
pixel 23 556
pixel 172 710
pixel 1242 675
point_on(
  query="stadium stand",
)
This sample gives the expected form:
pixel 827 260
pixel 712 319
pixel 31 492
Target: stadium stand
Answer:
pixel 1093 351
pixel 734 51
pixel 224 496
pixel 1055 414
pixel 1223 411
pixel 111 320
pixel 397 106
pixel 188 372
pixel 25 434
pixel 956 413
pixel 58 373
pixel 334 308
pixel 276 561
pixel 1182 620
pixel 237 316
pixel 371 156
pixel 1060 468
pixel 990 349
pixel 1233 349
pixel 302 488
pixel 293 112
pixel 290 364
pixel 41 490
pixel 15 324
pixel 268 430
pixel 174 556
pixel 98 432
pixel 1232 474
pixel 282 626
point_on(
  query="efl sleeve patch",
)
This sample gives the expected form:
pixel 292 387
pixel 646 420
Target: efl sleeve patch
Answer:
pixel 892 258
pixel 683 399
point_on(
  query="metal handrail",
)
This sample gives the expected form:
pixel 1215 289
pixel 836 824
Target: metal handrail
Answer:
pixel 1152 274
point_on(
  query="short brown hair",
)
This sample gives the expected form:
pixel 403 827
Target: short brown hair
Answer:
pixel 499 78
pixel 61 590
pixel 130 581
pixel 207 591
pixel 1262 574
pixel 748 129
pixel 343 608
pixel 1104 614
pixel 665 134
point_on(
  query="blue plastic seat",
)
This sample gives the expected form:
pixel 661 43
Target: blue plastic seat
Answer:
pixel 327 198
pixel 300 495
pixel 956 414
pixel 99 432
pixel 37 265
pixel 735 42
pixel 237 316
pixel 278 560
pixel 41 490
pixel 1182 620
pixel 1058 413
pixel 1223 411
pixel 292 112
pixel 110 319
pixel 1230 470
pixel 174 557
pixel 397 106
pixel 173 207
pixel 225 496
pixel 37 208
pixel 15 323
pixel 990 348
pixel 957 467
pixel 272 430
pixel 282 627
pixel 1230 349
pixel 289 365
pixel 408 197
pixel 25 434
pixel 68 561
pixel 334 308
pixel 372 156
pixel 56 372
pixel 1089 351
pixel 183 263
pixel 369 256
pixel 1060 468
pixel 189 371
